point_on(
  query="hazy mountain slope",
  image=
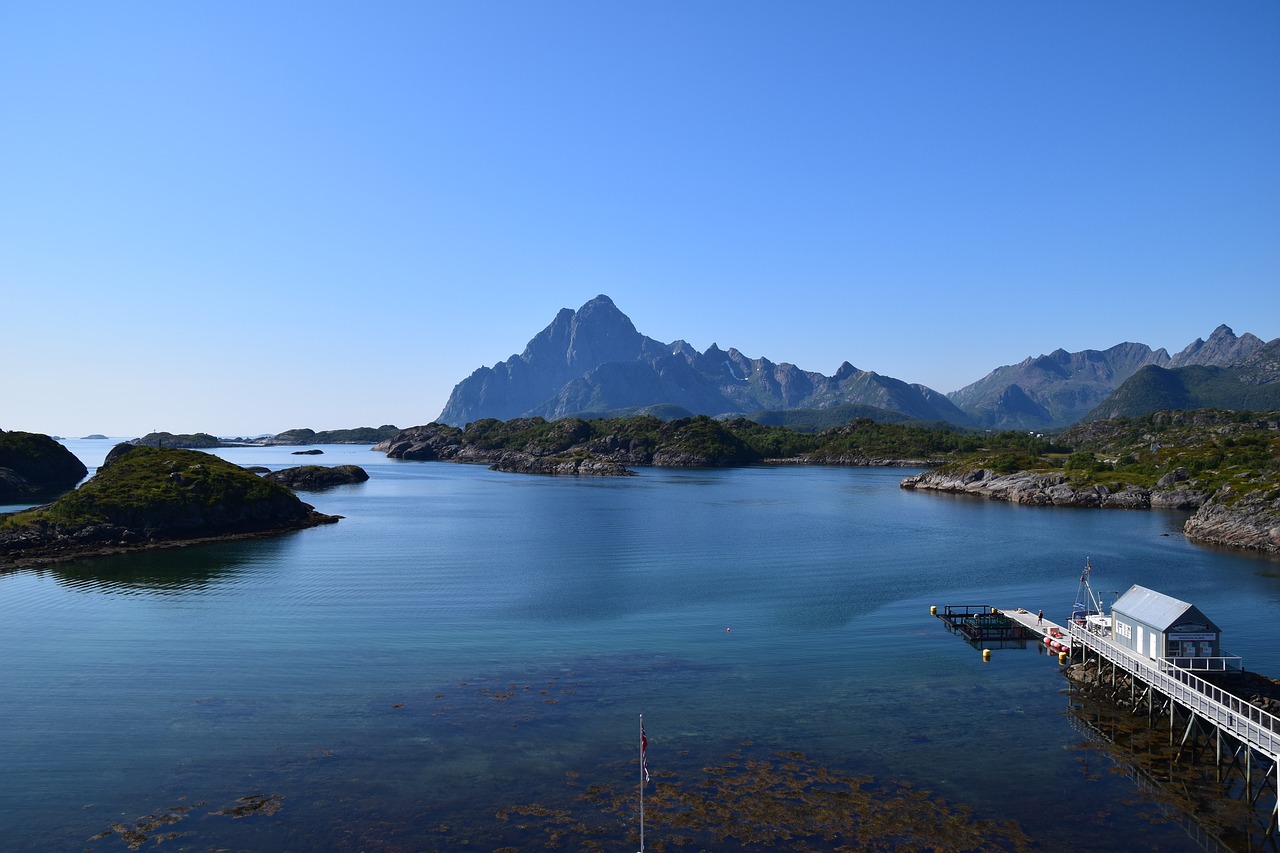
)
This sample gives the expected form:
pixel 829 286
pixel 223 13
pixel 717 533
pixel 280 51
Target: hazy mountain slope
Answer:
pixel 1252 384
pixel 1053 390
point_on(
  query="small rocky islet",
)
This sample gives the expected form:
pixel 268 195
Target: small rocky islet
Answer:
pixel 35 466
pixel 153 497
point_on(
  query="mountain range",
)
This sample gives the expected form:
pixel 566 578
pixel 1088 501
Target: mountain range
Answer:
pixel 594 363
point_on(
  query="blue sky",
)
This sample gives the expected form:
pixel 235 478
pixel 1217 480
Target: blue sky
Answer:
pixel 248 217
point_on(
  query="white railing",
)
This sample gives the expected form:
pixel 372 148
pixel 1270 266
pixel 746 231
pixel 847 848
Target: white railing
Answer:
pixel 1256 727
pixel 1221 663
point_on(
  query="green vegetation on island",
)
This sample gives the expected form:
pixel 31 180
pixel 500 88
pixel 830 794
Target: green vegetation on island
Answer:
pixel 702 441
pixel 1206 449
pixel 145 497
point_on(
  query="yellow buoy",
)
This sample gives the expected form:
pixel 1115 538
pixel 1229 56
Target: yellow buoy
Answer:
pixel 986 655
pixel 1062 658
pixel 933 610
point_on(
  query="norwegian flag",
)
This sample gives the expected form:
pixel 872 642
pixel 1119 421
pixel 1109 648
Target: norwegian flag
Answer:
pixel 644 748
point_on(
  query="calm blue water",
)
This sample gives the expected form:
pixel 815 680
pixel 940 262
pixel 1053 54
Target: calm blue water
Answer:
pixel 465 640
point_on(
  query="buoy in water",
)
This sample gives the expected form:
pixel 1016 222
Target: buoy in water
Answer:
pixel 986 655
pixel 933 610
pixel 727 630
pixel 1062 658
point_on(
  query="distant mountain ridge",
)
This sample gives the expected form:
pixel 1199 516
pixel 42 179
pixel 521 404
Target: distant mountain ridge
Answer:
pixel 1236 374
pixel 1055 390
pixel 1132 380
pixel 593 362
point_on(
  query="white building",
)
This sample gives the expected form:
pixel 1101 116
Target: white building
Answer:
pixel 1158 626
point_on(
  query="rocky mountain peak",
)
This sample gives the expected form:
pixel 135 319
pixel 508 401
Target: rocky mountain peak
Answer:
pixel 1221 350
pixel 593 361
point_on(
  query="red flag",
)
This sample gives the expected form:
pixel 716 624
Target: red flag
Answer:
pixel 644 747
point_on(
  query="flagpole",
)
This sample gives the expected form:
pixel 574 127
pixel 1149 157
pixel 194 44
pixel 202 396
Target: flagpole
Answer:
pixel 642 783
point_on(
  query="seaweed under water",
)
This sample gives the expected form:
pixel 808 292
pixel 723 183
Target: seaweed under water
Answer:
pixel 780 800
pixel 137 834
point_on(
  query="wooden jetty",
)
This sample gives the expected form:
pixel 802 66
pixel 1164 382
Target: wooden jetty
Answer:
pixel 1243 739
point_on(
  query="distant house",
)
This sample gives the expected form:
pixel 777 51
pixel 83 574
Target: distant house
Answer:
pixel 1159 626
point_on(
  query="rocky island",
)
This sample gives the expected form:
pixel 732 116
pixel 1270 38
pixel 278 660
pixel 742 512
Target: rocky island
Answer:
pixel 145 497
pixel 317 477
pixel 35 467
pixel 599 447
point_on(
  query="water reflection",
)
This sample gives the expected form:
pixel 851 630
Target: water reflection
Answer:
pixel 1210 803
pixel 168 571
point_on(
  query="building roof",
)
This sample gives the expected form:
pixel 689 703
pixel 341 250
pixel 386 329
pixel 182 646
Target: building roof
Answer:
pixel 1160 611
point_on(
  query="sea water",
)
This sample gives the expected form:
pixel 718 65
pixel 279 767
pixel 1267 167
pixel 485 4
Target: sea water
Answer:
pixel 466 643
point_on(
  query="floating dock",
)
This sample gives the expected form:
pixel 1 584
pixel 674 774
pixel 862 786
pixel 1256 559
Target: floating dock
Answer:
pixel 980 623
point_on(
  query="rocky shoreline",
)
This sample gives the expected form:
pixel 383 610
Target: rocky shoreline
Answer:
pixel 108 540
pixel 602 457
pixel 1251 521
pixel 1032 489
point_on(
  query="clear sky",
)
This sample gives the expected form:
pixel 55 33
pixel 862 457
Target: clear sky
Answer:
pixel 240 218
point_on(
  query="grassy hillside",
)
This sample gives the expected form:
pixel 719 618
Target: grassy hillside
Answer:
pixel 1204 449
pixel 1249 386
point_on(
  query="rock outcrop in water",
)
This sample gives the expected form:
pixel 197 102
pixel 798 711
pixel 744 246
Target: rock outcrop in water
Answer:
pixel 317 477
pixel 35 467
pixel 1251 520
pixel 145 497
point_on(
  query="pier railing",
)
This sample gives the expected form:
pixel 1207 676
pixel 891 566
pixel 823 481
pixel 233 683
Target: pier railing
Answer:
pixel 1252 725
pixel 1221 663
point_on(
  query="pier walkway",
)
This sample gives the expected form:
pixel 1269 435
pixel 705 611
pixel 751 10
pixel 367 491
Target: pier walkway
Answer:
pixel 982 622
pixel 1037 626
pixel 1243 737
pixel 1207 707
